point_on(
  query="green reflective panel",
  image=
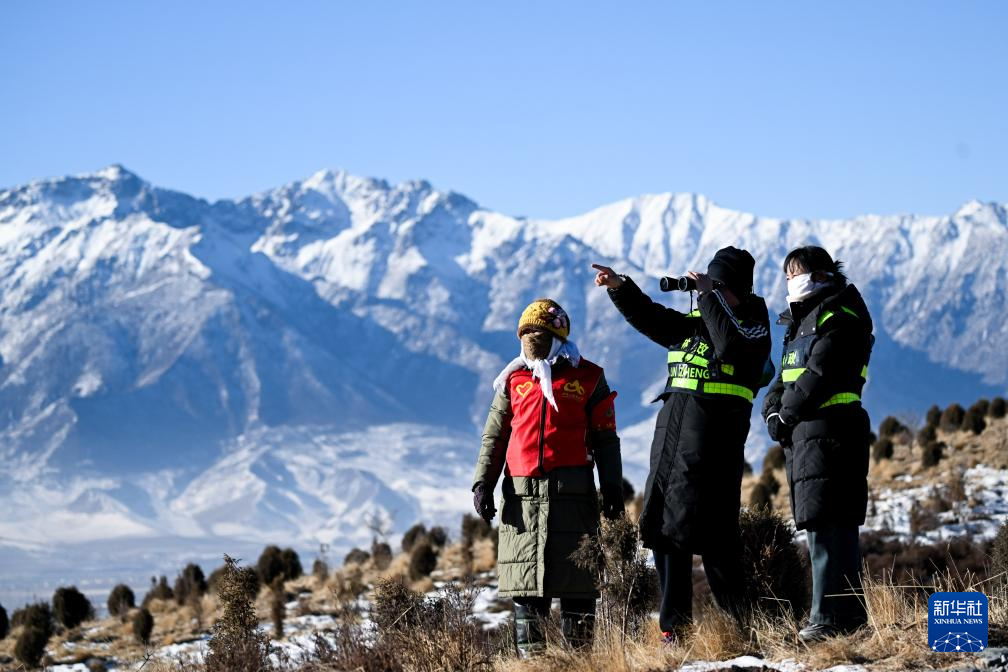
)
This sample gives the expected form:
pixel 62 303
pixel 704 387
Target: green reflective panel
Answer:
pixel 685 383
pixel 841 398
pixel 791 375
pixel 728 388
pixel 676 356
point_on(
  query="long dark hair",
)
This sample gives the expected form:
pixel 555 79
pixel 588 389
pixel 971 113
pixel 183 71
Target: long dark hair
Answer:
pixel 812 258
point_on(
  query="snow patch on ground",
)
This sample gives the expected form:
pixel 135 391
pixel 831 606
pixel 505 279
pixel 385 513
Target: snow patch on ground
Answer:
pixel 979 516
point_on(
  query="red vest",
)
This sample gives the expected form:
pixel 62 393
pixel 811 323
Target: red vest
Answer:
pixel 543 438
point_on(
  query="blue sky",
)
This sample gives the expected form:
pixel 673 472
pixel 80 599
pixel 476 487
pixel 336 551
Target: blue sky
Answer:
pixel 790 109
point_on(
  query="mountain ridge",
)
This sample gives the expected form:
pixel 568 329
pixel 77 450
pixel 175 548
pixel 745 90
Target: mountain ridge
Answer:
pixel 147 335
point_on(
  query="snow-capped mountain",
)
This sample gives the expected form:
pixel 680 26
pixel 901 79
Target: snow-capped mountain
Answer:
pixel 251 369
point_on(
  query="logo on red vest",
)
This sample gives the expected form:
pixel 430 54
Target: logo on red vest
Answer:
pixel 524 388
pixel 574 390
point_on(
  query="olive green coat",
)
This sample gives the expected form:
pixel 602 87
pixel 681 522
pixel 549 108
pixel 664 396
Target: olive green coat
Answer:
pixel 542 520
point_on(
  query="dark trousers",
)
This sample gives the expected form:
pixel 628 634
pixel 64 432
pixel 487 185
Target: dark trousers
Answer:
pixel 723 567
pixel 837 596
pixel 577 621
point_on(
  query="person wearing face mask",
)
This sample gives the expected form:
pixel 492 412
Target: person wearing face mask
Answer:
pixel 814 411
pixel 551 423
pixel 718 358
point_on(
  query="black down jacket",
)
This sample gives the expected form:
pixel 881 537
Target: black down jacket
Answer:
pixel 827 455
pixel 692 495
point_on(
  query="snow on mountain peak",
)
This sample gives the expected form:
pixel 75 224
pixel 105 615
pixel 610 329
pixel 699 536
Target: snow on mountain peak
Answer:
pixel 144 330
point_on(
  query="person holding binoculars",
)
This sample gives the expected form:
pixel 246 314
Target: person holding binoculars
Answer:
pixel 718 358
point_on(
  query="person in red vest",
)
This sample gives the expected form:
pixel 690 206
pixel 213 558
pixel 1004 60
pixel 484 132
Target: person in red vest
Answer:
pixel 551 423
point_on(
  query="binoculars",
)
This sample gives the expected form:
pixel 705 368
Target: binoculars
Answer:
pixel 682 284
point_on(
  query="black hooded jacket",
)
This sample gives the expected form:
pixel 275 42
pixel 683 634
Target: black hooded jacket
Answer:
pixel 691 499
pixel 827 456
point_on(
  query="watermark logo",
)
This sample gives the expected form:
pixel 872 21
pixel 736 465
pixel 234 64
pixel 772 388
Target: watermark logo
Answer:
pixel 957 622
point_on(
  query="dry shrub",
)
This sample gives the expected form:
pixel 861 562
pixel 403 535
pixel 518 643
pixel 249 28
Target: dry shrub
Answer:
pixel 347 583
pixel 320 570
pixel 774 458
pixel 951 418
pixel 927 434
pixel 882 449
pixel 759 497
pixel 891 427
pixel 423 560
pixel 997 408
pixel 413 536
pixel 142 623
pixel 915 563
pixel 628 586
pixel 159 590
pixel 999 552
pixel 717 636
pixel 922 518
pixel 473 529
pixel 381 555
pixel 434 635
pixel 955 486
pixel 274 562
pixel 278 609
pixel 190 584
pixel 931 454
pixel 30 646
pixel 120 601
pixel 981 406
pixel 37 615
pixel 411 633
pixel 71 607
pixel 356 557
pixel 438 536
pixel 933 416
pixel 777 570
pixel 4 623
pixel 770 482
pixel 236 643
pixel 973 421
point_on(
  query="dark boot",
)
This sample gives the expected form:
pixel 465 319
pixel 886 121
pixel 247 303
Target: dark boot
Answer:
pixel 528 627
pixel 578 628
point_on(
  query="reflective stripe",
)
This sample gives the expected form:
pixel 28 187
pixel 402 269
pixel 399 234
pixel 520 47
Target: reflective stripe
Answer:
pixel 791 375
pixel 712 388
pixel 841 398
pixel 729 388
pixel 674 357
pixel 686 383
pixel 677 356
pixel 829 313
pixel 693 313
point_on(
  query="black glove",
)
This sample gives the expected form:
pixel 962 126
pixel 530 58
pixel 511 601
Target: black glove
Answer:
pixel 483 502
pixel 779 430
pixel 772 401
pixel 612 503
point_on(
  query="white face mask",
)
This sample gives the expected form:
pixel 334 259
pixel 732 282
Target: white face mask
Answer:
pixel 800 286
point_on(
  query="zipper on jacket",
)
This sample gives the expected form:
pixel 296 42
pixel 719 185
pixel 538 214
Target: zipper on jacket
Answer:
pixel 542 435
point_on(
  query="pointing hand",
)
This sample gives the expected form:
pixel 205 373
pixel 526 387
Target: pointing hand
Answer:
pixel 606 277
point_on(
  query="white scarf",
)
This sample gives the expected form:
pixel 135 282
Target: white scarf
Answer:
pixel 542 369
pixel 800 287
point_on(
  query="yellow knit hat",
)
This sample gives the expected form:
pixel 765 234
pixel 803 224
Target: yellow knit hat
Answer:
pixel 545 314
